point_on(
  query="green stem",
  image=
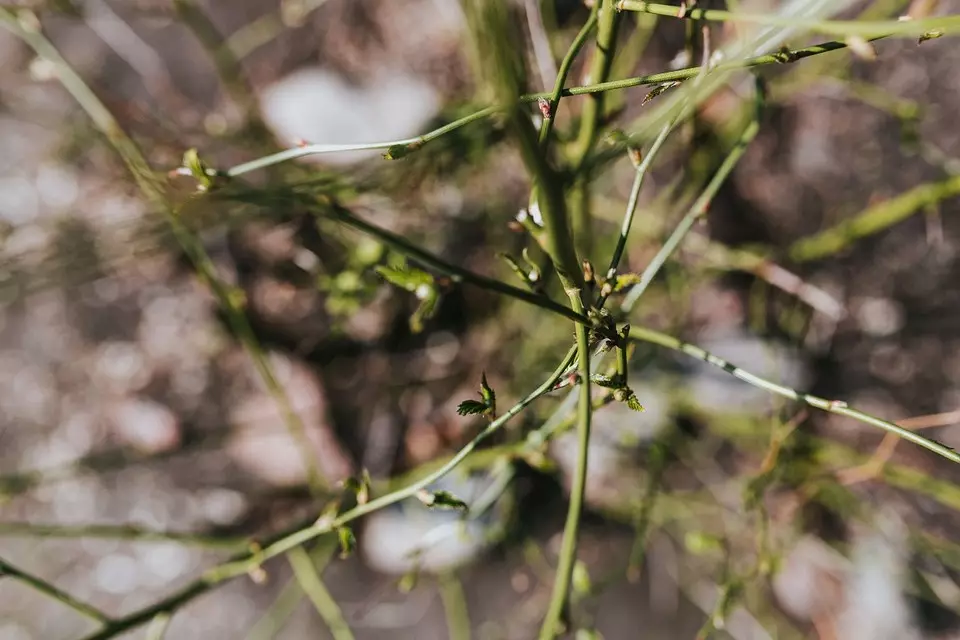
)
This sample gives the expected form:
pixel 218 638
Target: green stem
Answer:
pixel 47 589
pixel 608 21
pixel 308 578
pixel 552 623
pixel 641 172
pixel 455 607
pixel 457 274
pixel 949 24
pixel 33 530
pixel 563 72
pixel 830 406
pixel 873 220
pixel 300 534
pixel 626 83
pixel 158 627
pixel 696 211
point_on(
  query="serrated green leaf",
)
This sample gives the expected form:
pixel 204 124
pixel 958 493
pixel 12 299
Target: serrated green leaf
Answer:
pixel 348 542
pixel 471 408
pixel 441 500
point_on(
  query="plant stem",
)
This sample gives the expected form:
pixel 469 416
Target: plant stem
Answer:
pixel 873 220
pixel 651 79
pixel 455 607
pixel 641 172
pixel 47 589
pixel 300 534
pixel 308 577
pixel 697 210
pixel 608 21
pixel 118 533
pixel 552 624
pixel 457 274
pixel 831 406
pixel 564 71
pixel 949 24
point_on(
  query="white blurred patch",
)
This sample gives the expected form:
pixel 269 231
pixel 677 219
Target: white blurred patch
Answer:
pixel 876 607
pixel 320 106
pixel 410 536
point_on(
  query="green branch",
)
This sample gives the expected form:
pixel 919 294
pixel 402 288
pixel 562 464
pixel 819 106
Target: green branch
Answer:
pixel 47 589
pixel 862 28
pixel 457 274
pixel 308 577
pixel 698 209
pixel 830 406
pixel 412 144
pixel 110 532
pixel 873 220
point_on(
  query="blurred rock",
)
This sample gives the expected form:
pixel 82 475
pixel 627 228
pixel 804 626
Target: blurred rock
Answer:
pixel 321 107
pixel 261 441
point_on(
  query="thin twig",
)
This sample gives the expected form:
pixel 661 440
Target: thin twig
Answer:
pixel 37 530
pixel 456 273
pixel 914 28
pixel 830 406
pixel 697 210
pixel 417 142
pixel 455 607
pixel 308 577
pixel 47 589
pixel 553 100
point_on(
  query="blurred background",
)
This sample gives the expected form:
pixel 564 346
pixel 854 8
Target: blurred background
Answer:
pixel 140 445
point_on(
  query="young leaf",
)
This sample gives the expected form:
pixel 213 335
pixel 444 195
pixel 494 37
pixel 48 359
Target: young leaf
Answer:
pixel 581 579
pixel 657 90
pixel 441 500
pixel 487 395
pixel 198 169
pixel 603 381
pixel 406 277
pixel 471 408
pixel 634 403
pixel 348 542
